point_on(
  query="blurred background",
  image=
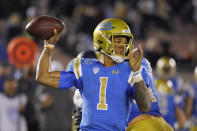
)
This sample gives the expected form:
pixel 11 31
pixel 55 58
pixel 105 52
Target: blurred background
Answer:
pixel 164 27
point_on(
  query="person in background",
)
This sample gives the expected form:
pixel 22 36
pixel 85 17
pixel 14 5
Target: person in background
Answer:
pixel 14 26
pixel 191 113
pixel 171 93
pixel 5 71
pixel 153 120
pixel 52 103
pixel 28 86
pixel 12 107
pixel 3 52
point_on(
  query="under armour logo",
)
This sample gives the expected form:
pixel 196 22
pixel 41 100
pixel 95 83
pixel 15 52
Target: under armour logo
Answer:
pixel 115 72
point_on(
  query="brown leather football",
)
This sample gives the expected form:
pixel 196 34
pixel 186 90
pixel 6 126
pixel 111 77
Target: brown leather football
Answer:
pixel 42 27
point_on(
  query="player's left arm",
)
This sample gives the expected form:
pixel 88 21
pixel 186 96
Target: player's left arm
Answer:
pixel 189 99
pixel 189 106
pixel 180 117
pixel 143 99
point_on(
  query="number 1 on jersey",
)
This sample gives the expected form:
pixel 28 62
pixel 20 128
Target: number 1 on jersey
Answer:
pixel 102 94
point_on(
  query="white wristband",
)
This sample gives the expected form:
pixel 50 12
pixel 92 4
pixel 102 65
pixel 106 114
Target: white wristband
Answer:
pixel 138 76
pixel 50 46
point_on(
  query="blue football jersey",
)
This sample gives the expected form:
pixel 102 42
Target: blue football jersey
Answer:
pixel 106 93
pixel 148 79
pixel 194 110
pixel 168 101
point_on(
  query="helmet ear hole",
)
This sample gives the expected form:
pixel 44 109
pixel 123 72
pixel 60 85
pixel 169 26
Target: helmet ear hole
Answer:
pixel 100 42
pixel 128 39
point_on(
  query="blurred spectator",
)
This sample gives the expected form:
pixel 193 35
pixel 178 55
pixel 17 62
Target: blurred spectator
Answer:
pixel 86 18
pixel 121 10
pixel 11 108
pixel 27 86
pixel 54 107
pixel 151 16
pixel 14 26
pixel 77 36
pixel 153 50
pixel 190 54
pixel 3 53
pixel 5 71
pixel 136 24
pixel 187 12
pixel 31 12
pixel 69 42
pixel 194 2
pixel 167 50
pixel 176 7
pixel 7 7
pixel 62 7
pixel 163 9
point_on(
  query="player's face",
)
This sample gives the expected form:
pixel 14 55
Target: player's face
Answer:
pixel 10 87
pixel 120 44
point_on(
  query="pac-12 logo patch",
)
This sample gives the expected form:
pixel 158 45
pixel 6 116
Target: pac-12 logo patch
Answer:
pixel 88 62
pixel 95 70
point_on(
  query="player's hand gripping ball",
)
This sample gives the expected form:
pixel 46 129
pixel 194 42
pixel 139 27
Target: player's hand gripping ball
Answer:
pixel 42 27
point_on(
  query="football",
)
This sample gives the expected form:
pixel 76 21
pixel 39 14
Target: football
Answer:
pixel 42 27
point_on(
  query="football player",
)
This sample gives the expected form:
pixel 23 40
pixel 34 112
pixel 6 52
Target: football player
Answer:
pixel 107 85
pixel 153 120
pixel 192 113
pixel 171 92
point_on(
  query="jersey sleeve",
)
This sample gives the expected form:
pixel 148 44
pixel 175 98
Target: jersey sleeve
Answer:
pixel 72 76
pixel 146 75
pixel 190 90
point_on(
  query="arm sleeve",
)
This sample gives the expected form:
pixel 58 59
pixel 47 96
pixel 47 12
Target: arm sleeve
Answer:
pixel 147 73
pixel 67 80
pixel 71 77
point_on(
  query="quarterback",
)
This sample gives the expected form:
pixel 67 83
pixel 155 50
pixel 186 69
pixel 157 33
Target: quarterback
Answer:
pixel 108 84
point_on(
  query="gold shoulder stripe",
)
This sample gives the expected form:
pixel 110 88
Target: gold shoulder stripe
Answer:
pixel 77 67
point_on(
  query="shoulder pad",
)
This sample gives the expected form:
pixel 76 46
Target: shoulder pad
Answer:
pixel 146 64
pixel 77 67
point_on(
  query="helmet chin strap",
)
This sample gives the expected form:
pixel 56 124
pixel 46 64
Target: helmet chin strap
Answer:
pixel 101 58
pixel 116 58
